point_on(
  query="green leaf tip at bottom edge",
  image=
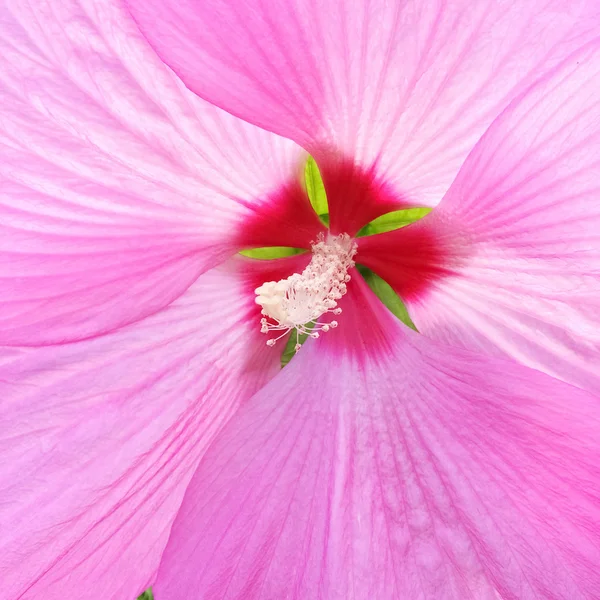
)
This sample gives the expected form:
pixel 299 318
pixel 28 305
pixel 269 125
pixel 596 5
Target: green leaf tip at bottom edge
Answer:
pixel 147 595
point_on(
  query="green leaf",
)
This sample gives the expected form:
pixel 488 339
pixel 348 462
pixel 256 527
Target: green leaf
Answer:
pixel 272 252
pixel 147 595
pixel 288 351
pixel 387 295
pixel 393 220
pixel 316 190
pixel 324 219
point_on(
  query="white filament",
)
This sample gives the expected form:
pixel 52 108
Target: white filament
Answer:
pixel 301 299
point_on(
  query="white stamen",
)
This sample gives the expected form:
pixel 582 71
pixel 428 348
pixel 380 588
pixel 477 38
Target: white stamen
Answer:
pixel 303 298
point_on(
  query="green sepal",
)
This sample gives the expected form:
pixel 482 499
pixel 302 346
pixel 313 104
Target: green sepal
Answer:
pixel 387 295
pixel 394 220
pixel 288 351
pixel 316 190
pixel 272 252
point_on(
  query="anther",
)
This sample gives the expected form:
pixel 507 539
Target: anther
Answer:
pixel 300 300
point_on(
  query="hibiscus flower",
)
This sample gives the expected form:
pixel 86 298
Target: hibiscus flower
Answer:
pixel 149 435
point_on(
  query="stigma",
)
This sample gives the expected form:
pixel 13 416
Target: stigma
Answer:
pixel 302 301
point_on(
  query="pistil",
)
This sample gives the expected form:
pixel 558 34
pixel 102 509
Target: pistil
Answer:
pixel 301 301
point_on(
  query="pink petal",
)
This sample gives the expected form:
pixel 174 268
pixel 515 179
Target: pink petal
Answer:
pixel 406 87
pixel 98 439
pixel 517 268
pixel 118 186
pixel 415 472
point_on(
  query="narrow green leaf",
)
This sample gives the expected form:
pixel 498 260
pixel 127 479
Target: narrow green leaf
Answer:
pixel 272 252
pixel 393 220
pixel 147 595
pixel 316 190
pixel 289 352
pixel 387 295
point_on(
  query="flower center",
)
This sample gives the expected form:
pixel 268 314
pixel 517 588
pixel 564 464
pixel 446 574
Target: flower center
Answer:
pixel 300 300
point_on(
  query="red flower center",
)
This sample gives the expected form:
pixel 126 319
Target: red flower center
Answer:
pixel 410 258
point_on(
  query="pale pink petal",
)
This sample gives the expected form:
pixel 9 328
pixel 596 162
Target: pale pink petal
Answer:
pixel 402 471
pixel 509 263
pixel 118 186
pixel 98 439
pixel 407 87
